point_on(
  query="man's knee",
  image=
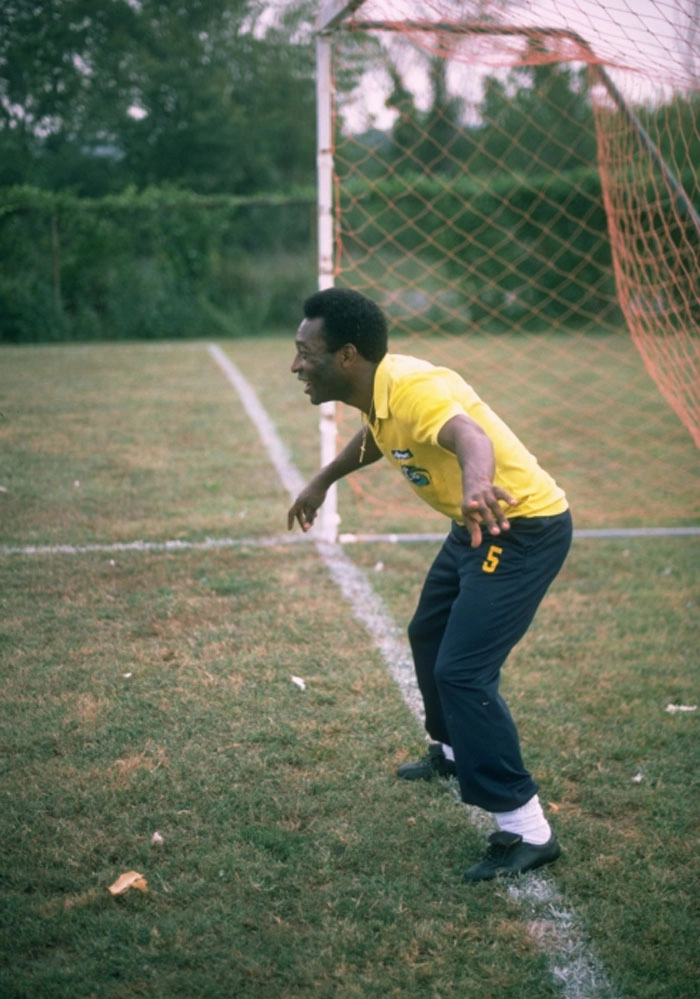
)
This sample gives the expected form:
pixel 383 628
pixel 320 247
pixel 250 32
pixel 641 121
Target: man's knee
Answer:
pixel 420 630
pixel 475 678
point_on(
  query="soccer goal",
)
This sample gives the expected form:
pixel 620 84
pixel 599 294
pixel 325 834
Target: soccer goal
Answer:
pixel 518 186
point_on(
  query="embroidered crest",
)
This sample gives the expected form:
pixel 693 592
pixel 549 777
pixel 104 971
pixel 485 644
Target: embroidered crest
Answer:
pixel 416 476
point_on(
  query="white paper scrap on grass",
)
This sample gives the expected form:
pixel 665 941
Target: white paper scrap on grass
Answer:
pixel 673 708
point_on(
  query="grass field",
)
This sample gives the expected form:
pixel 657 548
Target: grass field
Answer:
pixel 152 690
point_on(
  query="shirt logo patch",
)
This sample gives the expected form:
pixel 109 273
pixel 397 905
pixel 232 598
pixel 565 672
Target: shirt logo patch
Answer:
pixel 416 476
pixel 402 455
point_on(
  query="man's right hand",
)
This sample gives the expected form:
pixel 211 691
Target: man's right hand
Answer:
pixel 305 506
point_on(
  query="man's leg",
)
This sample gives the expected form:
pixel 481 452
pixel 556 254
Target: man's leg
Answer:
pixel 501 586
pixel 425 631
pixel 439 592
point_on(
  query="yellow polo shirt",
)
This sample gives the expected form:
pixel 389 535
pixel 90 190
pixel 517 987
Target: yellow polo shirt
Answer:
pixel 413 400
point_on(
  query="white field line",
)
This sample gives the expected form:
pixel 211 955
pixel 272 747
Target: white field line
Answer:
pixel 289 474
pixel 556 930
pixel 271 541
pixel 579 533
pixel 175 544
pixel 151 546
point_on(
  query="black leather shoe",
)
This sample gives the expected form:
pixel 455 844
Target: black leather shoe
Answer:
pixel 433 764
pixel 509 855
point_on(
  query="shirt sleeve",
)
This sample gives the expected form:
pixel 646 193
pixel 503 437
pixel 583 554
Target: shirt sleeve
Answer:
pixel 423 404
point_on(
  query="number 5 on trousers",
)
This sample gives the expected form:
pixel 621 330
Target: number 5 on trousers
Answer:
pixel 492 559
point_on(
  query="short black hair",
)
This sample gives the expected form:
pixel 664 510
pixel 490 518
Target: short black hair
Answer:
pixel 349 317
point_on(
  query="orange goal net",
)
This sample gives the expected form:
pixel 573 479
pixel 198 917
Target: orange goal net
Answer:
pixel 518 186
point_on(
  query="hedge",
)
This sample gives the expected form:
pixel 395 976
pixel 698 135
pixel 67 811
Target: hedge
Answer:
pixel 166 263
pixel 156 264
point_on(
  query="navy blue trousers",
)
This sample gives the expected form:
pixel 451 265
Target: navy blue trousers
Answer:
pixel 476 604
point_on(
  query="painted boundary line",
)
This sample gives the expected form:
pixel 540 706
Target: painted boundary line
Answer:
pixel 152 546
pixel 271 541
pixel 555 929
pixel 593 532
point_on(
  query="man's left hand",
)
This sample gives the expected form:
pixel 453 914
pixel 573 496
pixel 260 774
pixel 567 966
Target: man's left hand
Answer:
pixel 483 508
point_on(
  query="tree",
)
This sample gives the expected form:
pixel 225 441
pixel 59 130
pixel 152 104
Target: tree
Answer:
pixel 220 108
pixel 99 94
pixel 434 139
pixel 539 120
pixel 50 69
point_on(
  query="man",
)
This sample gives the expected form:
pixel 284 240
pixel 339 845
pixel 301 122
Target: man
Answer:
pixel 511 531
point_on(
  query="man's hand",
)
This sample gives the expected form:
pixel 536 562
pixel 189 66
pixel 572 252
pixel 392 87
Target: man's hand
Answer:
pixel 483 506
pixel 481 503
pixel 305 506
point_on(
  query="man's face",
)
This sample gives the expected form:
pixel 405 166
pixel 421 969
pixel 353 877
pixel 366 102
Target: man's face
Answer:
pixel 316 366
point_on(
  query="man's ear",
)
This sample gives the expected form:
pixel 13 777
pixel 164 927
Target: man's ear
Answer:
pixel 348 354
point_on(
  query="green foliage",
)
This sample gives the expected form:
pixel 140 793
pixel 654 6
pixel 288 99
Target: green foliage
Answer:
pixel 532 231
pixel 99 94
pixel 538 120
pixel 168 263
pixel 149 265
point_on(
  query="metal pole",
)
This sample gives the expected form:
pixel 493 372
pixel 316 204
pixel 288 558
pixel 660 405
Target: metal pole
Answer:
pixel 328 515
pixel 674 185
pixel 332 13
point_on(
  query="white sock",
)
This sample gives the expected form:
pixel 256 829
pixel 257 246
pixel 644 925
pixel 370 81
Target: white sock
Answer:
pixel 527 821
pixel 447 750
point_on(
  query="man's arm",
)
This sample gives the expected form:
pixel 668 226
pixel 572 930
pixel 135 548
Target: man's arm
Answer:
pixel 480 497
pixel 311 497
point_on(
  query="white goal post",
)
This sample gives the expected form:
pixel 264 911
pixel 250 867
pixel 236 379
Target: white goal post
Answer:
pixel 331 13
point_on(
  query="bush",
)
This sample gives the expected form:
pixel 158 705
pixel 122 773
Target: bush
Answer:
pixel 159 264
